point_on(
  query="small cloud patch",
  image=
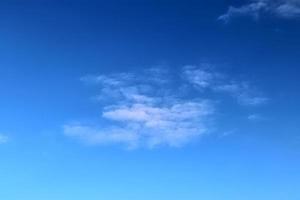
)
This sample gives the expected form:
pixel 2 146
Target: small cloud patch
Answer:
pixel 159 107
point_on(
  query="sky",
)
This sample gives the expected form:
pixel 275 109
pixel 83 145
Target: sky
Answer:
pixel 149 99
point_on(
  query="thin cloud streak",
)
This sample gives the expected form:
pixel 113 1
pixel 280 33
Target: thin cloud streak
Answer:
pixel 206 78
pixel 145 125
pixel 286 9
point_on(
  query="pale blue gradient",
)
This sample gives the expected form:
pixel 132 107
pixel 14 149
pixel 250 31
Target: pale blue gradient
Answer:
pixel 47 46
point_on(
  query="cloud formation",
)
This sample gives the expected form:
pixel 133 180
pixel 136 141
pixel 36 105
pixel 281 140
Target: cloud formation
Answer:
pixel 286 9
pixel 148 125
pixel 157 107
pixel 207 78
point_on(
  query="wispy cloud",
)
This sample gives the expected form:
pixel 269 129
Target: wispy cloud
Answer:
pixel 255 117
pixel 141 124
pixel 286 9
pixel 149 108
pixel 102 136
pixel 243 93
pixel 201 77
pixel 3 138
pixel 207 78
pixel 145 111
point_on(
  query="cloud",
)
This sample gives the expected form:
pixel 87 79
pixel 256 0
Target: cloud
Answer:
pixel 203 77
pixel 148 125
pixel 150 108
pixel 243 93
pixel 206 78
pixel 255 117
pixel 3 139
pixel 93 135
pixel 228 133
pixel 286 9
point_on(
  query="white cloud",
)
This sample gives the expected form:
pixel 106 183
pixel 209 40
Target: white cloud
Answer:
pixel 245 99
pixel 146 125
pixel 286 9
pixel 243 93
pixel 95 136
pixel 217 82
pixel 255 117
pixel 3 139
pixel 112 80
pixel 201 77
pixel 149 108
pixel 158 115
pixel 228 133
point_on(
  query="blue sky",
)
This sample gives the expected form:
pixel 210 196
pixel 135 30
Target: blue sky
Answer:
pixel 149 100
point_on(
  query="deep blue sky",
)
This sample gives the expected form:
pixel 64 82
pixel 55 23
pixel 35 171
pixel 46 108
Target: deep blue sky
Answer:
pixel 149 100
